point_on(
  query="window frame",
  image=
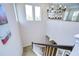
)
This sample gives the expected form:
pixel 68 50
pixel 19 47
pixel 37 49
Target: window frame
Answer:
pixel 75 15
pixel 40 13
pixel 26 13
pixel 33 12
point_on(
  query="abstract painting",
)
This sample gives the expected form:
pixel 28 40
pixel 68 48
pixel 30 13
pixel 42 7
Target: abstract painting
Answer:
pixel 5 33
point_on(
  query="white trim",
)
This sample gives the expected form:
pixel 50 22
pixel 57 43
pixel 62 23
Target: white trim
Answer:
pixel 36 52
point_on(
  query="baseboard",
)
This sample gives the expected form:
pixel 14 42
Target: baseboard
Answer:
pixel 27 45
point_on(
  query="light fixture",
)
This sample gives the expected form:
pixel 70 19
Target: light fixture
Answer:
pixel 55 11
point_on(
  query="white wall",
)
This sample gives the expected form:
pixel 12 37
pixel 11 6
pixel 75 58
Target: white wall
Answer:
pixel 13 46
pixel 62 31
pixel 31 30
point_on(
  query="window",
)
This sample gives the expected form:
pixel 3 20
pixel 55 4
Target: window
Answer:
pixel 75 15
pixel 37 13
pixel 29 13
pixel 32 13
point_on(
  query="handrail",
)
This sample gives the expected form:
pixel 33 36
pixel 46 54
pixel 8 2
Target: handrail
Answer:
pixel 56 46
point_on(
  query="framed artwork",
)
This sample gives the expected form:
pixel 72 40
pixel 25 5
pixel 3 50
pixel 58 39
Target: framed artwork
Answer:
pixel 5 33
pixel 3 18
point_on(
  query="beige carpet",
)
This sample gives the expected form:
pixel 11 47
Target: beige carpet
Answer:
pixel 27 51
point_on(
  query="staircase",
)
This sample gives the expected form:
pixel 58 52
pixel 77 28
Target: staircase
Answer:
pixel 49 49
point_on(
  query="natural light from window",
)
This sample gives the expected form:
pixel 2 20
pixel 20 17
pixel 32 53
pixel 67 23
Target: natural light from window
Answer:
pixel 29 13
pixel 74 17
pixel 32 13
pixel 37 13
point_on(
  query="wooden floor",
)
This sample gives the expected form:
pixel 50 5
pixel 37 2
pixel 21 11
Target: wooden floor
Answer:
pixel 27 51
